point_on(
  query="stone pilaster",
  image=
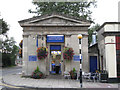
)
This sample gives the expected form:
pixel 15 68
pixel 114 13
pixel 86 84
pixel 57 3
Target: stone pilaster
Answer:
pixel 25 55
pixel 68 44
pixel 48 61
pixel 67 40
pixel 62 61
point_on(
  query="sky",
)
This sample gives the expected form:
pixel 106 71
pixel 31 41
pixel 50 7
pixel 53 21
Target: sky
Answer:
pixel 13 11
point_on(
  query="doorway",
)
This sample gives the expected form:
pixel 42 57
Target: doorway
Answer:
pixel 93 63
pixel 55 61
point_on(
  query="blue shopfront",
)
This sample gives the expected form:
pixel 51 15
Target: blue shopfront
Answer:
pixel 55 42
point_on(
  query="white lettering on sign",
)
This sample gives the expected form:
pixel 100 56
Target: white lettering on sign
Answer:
pixel 54 38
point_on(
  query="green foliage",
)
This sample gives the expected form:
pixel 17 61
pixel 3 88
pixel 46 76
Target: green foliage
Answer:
pixel 37 74
pixel 9 49
pixel 74 70
pixel 9 52
pixel 6 60
pixel 73 74
pixel 14 54
pixel 90 32
pixel 7 45
pixel 37 69
pixel 4 27
pixel 76 9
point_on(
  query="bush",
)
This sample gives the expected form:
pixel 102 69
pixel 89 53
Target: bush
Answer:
pixel 6 60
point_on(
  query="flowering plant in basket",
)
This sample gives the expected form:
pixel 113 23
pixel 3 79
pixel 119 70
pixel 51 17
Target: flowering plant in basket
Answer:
pixel 68 53
pixel 42 53
pixel 73 74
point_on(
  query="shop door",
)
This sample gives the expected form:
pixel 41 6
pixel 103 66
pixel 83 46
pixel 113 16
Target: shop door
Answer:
pixel 55 52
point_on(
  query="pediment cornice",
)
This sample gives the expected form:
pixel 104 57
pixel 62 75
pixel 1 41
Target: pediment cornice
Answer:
pixel 53 20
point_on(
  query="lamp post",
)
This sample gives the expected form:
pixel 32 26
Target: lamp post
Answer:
pixel 80 37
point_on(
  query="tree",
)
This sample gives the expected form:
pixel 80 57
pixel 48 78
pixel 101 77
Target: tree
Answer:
pixel 90 32
pixel 76 9
pixel 3 26
pixel 14 54
pixel 7 45
pixel 9 52
pixel 9 49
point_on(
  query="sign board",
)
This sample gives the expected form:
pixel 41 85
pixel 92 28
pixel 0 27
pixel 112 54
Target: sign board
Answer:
pixel 55 47
pixel 55 38
pixel 76 58
pixel 32 58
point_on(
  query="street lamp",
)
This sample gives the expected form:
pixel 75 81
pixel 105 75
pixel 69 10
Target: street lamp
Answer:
pixel 80 37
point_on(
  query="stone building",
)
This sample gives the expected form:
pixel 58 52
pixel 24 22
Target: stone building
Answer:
pixel 109 49
pixel 53 31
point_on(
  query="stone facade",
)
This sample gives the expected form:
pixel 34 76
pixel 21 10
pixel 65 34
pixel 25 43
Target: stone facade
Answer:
pixel 53 24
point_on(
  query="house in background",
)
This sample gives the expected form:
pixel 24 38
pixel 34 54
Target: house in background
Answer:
pixel 106 53
pixel 18 60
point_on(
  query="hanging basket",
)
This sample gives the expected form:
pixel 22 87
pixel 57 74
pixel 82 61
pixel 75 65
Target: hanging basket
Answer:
pixel 42 53
pixel 20 50
pixel 21 43
pixel 68 53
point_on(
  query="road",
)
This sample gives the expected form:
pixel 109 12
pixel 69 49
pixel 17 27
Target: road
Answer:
pixel 7 71
pixel 12 70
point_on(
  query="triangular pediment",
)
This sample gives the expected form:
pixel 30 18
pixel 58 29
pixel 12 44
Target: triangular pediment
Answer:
pixel 55 19
pixel 52 20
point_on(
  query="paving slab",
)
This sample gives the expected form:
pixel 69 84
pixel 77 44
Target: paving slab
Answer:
pixel 53 82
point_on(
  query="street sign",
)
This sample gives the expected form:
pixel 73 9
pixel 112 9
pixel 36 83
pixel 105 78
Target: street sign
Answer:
pixel 32 58
pixel 55 38
pixel 76 58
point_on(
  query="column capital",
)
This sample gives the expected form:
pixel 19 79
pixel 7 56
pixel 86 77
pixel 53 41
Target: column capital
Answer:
pixel 67 35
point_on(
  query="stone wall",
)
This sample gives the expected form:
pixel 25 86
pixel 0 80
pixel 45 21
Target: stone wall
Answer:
pixel 101 47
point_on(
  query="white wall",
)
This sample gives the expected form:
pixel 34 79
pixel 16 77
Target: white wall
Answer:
pixel 119 11
pixel 110 52
pixel 111 28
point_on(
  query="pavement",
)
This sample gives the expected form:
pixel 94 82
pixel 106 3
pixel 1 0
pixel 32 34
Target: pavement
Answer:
pixel 52 81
